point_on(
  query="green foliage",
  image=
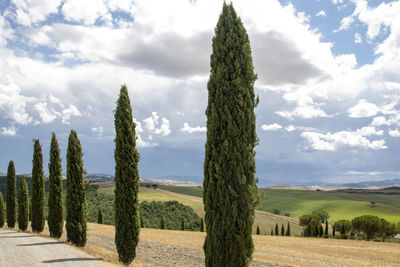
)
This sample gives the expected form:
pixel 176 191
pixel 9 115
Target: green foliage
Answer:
pixel 312 223
pixel 276 229
pixel 2 213
pixel 100 217
pixel 282 230
pixel 11 195
pixel 258 230
pixel 76 223
pixel 230 191
pixel 96 200
pixel 23 204
pixel 183 224
pixel 171 212
pixel 55 200
pixel 343 226
pixel 367 225
pixel 321 230
pixel 127 224
pixel 288 230
pixel 276 211
pixel 37 194
pixel 323 214
pixel 141 222
pixel 202 225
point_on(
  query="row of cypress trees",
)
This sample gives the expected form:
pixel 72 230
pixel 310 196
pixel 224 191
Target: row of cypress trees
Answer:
pixel 76 199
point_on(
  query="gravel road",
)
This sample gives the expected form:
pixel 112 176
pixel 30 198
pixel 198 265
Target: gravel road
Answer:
pixel 24 249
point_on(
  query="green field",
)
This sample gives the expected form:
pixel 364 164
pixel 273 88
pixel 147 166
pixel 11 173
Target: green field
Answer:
pixel 340 205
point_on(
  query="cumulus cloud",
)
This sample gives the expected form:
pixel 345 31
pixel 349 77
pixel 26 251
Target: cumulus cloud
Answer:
pixel 68 113
pixel 11 131
pixel 363 109
pixel 151 123
pixel 29 12
pixel 357 38
pixel 271 127
pixel 290 128
pixel 98 130
pixel 344 140
pixel 45 114
pixel 187 129
pixel 394 133
pixel 321 13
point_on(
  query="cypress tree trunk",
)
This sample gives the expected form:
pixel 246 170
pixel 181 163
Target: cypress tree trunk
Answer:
pixel 282 230
pixel 2 213
pixel 100 217
pixel 55 218
pixel 276 229
pixel 127 222
pixel 183 224
pixel 11 195
pixel 76 223
pixel 23 204
pixel 37 188
pixel 230 191
pixel 201 225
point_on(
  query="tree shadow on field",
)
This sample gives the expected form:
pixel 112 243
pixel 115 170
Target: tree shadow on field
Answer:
pixel 40 244
pixel 72 259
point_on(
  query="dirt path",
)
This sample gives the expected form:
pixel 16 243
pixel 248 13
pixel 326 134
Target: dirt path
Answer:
pixel 24 249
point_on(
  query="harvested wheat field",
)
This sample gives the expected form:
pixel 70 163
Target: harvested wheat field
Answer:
pixel 184 248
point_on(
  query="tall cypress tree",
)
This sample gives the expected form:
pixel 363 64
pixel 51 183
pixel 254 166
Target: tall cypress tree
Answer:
pixel 11 195
pixel 2 213
pixel 76 223
pixel 100 217
pixel 326 227
pixel 55 218
pixel 276 229
pixel 127 222
pixel 23 204
pixel 162 223
pixel 230 190
pixel 258 230
pixel 37 188
pixel 288 229
pixel 282 230
pixel 183 224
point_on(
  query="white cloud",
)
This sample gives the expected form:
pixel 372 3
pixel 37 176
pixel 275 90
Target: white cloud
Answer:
pixel 11 131
pixel 321 13
pixel 363 109
pixel 87 12
pixel 394 133
pixel 290 128
pixel 341 140
pixel 151 123
pixel 271 127
pixel 164 128
pixel 357 38
pixel 345 23
pixel 68 113
pixel 187 129
pixel 46 115
pixel 98 130
pixel 29 12
pixel 369 130
pixel 305 112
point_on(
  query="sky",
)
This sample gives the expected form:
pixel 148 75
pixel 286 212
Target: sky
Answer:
pixel 328 82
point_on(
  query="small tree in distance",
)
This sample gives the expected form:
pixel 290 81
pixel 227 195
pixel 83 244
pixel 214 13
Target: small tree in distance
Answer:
pixel 326 228
pixel 2 213
pixel 258 230
pixel 162 223
pixel 23 204
pixel 288 230
pixel 282 230
pixel 100 217
pixel 272 232
pixel 276 229
pixel 182 224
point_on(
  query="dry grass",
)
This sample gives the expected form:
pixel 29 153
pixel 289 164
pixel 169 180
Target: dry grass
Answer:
pixel 296 251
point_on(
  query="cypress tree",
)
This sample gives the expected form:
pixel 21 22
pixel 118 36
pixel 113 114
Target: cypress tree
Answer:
pixel 230 190
pixel 141 222
pixel 326 227
pixel 162 223
pixel 23 204
pixel 30 211
pixel 11 195
pixel 334 230
pixel 282 230
pixel 76 223
pixel 100 217
pixel 2 213
pixel 202 225
pixel 276 229
pixel 321 230
pixel 37 188
pixel 272 232
pixel 127 222
pixel 258 230
pixel 183 224
pixel 55 218
pixel 342 230
pixel 316 231
pixel 288 229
